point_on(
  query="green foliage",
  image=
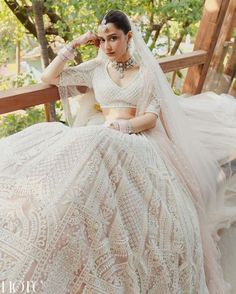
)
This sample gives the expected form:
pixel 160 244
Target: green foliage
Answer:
pixel 77 17
pixel 176 18
pixel 11 31
pixel 12 123
pixel 21 80
pixel 15 122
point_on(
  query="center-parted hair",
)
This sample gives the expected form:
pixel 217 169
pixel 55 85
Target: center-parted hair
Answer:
pixel 119 19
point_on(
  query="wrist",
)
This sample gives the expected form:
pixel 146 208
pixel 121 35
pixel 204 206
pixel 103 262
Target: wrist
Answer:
pixel 122 125
pixel 125 126
pixel 67 53
pixel 76 43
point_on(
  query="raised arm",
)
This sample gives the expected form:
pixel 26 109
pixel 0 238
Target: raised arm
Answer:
pixel 52 72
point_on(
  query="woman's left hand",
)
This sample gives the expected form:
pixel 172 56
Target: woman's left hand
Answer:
pixel 112 125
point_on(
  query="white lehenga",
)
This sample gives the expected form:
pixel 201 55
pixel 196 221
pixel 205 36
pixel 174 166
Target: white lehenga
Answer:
pixel 92 210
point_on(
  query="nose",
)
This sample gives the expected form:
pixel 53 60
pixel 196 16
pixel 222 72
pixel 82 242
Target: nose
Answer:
pixel 107 46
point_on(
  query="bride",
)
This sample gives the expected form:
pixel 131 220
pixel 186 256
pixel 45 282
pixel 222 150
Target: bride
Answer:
pixel 127 205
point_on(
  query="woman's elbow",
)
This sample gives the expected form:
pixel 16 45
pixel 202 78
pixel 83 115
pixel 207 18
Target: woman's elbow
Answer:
pixel 48 80
pixel 44 78
pixel 152 119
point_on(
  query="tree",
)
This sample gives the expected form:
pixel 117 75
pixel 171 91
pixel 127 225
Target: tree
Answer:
pixel 39 24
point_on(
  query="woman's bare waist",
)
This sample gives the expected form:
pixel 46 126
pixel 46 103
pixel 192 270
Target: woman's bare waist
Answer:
pixel 122 113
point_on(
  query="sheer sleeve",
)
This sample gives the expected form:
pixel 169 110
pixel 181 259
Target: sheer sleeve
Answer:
pixel 79 75
pixel 154 106
pixel 69 80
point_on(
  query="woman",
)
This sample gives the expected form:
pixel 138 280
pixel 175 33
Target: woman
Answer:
pixel 117 207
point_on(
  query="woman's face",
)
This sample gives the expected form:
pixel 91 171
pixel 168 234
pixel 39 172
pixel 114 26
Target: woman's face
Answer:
pixel 113 42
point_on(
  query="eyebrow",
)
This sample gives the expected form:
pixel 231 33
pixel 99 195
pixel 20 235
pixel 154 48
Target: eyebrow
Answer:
pixel 113 34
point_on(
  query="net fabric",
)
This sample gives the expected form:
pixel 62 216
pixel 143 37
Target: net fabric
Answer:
pixel 202 173
pixel 78 224
pixel 94 72
pixel 82 75
pixel 154 105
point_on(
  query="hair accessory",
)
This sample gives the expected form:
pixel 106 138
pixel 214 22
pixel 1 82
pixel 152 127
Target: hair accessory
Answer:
pixel 122 66
pixel 103 24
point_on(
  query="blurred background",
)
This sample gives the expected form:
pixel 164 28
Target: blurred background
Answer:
pixel 32 32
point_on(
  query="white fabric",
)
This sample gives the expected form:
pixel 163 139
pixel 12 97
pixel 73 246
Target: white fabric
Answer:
pixel 198 167
pixel 94 74
pixel 214 117
pixel 70 195
pixel 93 210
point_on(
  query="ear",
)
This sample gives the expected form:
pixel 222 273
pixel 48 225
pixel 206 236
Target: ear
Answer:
pixel 129 34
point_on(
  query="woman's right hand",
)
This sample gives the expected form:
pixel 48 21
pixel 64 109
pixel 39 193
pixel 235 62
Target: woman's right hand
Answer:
pixel 87 38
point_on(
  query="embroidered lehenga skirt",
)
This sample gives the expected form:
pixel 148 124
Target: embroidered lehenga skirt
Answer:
pixel 93 210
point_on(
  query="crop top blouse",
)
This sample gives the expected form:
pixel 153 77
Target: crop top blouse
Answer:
pixel 108 94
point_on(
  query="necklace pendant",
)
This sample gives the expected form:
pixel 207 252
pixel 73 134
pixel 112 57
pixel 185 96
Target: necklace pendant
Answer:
pixel 122 66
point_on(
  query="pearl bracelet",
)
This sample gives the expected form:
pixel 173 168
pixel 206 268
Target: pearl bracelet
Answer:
pixel 67 53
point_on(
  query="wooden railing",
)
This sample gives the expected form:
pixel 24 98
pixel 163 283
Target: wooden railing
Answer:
pixel 197 62
pixel 21 98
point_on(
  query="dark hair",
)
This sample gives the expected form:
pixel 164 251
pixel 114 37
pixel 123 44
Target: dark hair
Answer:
pixel 119 19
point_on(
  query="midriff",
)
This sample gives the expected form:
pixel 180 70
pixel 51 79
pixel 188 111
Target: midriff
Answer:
pixel 119 113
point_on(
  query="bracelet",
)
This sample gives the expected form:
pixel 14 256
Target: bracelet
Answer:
pixel 125 126
pixel 130 128
pixel 67 53
pixel 122 125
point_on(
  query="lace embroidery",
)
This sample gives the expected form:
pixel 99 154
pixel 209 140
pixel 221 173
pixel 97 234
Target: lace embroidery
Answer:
pixel 92 210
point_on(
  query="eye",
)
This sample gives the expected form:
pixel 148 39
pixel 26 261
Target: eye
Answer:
pixel 113 38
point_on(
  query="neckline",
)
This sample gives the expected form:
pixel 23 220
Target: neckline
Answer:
pixel 122 87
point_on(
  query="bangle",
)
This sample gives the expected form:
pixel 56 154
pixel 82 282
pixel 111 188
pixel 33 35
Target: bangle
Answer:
pixel 122 125
pixel 67 53
pixel 130 128
pixel 125 126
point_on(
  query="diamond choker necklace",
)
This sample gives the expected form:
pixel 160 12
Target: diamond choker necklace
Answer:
pixel 122 66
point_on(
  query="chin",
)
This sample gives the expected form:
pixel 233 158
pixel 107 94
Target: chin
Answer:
pixel 111 57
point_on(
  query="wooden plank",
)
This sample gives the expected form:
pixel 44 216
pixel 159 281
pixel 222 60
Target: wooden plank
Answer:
pixel 208 33
pixel 172 63
pixel 20 98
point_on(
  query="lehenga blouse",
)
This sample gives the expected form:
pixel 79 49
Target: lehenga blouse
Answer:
pixel 108 94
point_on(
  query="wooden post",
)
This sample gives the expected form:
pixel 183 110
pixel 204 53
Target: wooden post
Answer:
pixel 225 33
pixel 216 79
pixel 232 91
pixel 212 19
